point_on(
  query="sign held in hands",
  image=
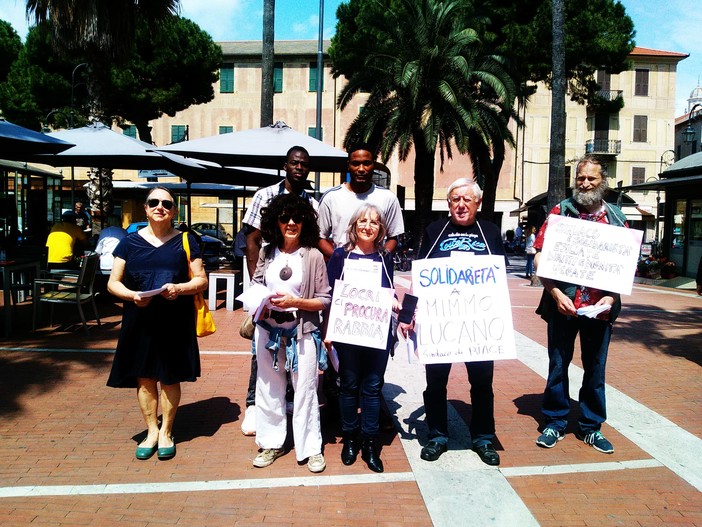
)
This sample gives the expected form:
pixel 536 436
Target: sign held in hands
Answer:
pixel 591 254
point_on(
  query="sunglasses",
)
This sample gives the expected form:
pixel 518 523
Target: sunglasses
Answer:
pixel 285 218
pixel 153 203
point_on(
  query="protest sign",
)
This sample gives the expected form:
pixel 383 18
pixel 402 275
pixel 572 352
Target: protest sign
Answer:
pixel 363 271
pixel 464 313
pixel 360 315
pixel 589 253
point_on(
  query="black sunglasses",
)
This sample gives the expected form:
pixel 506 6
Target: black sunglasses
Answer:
pixel 153 203
pixel 285 218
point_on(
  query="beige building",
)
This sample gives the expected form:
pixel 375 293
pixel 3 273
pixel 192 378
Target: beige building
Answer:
pixel 631 124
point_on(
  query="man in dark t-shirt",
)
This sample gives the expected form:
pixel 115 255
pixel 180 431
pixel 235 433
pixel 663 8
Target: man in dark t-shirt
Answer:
pixel 461 232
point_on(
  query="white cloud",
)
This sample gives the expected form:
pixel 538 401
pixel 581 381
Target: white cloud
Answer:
pixel 307 29
pixel 226 19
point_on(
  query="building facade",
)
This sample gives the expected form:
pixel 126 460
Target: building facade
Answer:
pixel 630 124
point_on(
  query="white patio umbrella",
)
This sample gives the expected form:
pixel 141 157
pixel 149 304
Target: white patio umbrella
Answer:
pixel 96 145
pixel 261 147
pixel 16 142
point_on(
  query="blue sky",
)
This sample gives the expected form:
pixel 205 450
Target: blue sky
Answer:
pixel 671 25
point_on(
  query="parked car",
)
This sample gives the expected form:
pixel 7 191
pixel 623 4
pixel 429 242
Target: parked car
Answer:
pixel 213 249
pixel 212 229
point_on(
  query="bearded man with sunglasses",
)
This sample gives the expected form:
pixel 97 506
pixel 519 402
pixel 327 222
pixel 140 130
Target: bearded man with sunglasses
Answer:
pixel 297 168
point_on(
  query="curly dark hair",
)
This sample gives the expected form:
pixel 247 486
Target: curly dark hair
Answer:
pixel 294 206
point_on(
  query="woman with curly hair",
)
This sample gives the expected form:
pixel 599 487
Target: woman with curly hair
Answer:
pixel 288 333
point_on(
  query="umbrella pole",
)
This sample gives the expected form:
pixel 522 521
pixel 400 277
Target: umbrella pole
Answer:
pixel 73 187
pixel 187 183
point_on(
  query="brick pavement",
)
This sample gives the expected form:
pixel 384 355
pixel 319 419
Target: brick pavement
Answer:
pixel 60 426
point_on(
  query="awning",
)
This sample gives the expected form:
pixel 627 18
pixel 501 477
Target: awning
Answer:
pixel 638 214
pixel 663 184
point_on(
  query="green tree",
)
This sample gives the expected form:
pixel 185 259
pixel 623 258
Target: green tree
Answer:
pixel 430 87
pixel 171 68
pixel 100 27
pixel 598 35
pixel 10 47
pixel 38 82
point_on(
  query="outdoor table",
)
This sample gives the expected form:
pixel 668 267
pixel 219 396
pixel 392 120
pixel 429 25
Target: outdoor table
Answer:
pixel 7 268
pixel 230 277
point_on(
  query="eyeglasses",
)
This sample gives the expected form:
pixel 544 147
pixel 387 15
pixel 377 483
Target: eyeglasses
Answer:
pixel 295 162
pixel 455 200
pixel 285 218
pixel 166 203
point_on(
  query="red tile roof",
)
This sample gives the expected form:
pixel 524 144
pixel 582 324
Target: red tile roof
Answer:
pixel 657 53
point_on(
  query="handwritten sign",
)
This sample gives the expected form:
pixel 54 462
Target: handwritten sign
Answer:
pixel 464 312
pixel 591 254
pixel 363 271
pixel 360 315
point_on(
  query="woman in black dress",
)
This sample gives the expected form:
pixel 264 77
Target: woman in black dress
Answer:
pixel 157 343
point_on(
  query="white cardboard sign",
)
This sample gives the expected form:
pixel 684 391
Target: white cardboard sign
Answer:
pixel 464 312
pixel 590 254
pixel 360 315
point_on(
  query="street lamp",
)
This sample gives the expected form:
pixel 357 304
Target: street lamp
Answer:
pixel 320 72
pixel 73 84
pixel 667 159
pixel 658 206
pixel 70 123
pixel 45 129
pixel 688 134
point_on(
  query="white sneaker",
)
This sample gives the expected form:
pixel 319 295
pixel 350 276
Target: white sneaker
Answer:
pixel 267 457
pixel 248 425
pixel 316 463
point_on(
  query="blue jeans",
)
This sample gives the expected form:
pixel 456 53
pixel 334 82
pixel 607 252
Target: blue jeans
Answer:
pixel 482 399
pixel 594 344
pixel 362 375
pixel 529 265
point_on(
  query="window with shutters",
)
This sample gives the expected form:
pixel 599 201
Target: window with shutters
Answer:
pixel 640 128
pixel 641 83
pixel 226 78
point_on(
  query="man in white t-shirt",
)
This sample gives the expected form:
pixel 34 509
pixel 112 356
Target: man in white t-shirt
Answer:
pixel 338 204
pixel 336 207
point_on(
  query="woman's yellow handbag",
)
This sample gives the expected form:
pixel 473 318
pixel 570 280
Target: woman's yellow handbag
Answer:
pixel 204 323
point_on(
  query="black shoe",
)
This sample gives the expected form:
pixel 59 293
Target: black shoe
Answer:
pixel 488 455
pixel 433 450
pixel 371 456
pixel 349 452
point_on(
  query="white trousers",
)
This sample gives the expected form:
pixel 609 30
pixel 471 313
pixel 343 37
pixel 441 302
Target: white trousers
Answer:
pixel 271 421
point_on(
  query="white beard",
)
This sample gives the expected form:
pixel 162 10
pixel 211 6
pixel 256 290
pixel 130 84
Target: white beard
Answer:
pixel 589 198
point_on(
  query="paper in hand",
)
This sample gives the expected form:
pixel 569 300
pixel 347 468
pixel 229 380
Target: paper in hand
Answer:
pixel 593 311
pixel 152 292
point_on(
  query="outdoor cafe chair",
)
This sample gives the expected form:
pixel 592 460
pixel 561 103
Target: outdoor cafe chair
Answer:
pixel 77 292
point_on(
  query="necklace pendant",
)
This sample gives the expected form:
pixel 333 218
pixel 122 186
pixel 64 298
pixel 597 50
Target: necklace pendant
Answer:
pixel 285 273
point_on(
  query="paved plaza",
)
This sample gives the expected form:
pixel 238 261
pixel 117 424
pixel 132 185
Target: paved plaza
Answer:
pixel 67 441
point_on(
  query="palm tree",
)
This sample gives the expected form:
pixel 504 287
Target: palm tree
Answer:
pixel 104 26
pixel 556 170
pixel 267 58
pixel 430 86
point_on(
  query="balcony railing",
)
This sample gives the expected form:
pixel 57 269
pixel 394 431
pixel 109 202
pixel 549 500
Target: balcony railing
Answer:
pixel 609 95
pixel 603 146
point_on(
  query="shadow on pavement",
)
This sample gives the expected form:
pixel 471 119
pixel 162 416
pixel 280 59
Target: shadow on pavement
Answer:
pixel 199 419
